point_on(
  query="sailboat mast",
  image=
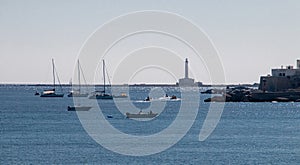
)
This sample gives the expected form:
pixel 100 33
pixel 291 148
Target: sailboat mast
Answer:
pixel 53 73
pixel 78 74
pixel 103 75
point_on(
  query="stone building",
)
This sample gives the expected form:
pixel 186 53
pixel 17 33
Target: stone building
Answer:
pixel 281 79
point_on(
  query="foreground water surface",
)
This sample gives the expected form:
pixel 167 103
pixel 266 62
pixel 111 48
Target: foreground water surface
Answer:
pixel 38 130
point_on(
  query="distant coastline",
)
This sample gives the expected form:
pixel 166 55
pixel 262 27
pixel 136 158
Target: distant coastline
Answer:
pixel 133 85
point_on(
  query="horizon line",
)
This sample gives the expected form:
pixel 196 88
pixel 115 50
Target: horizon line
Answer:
pixel 168 84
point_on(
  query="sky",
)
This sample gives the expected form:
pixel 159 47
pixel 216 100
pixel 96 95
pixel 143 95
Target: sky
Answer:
pixel 251 36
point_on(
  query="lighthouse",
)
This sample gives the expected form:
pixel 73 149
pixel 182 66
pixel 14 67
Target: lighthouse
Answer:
pixel 186 68
pixel 186 81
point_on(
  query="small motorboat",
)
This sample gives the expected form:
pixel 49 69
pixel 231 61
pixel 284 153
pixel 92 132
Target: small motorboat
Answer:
pixel 109 116
pixel 173 97
pixel 79 108
pixel 147 98
pixel 141 115
pixel 168 98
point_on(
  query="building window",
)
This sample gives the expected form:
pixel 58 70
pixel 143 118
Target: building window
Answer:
pixel 280 74
pixel 283 74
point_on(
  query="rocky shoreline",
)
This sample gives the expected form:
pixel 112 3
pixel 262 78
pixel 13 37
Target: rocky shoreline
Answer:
pixel 244 94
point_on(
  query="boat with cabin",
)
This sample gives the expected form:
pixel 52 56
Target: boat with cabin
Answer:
pixel 141 115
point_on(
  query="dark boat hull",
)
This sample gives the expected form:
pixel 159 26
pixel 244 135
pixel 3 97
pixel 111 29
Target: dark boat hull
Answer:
pixel 79 108
pixel 103 97
pixel 78 95
pixel 52 95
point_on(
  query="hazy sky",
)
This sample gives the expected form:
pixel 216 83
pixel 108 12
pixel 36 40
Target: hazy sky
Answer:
pixel 251 36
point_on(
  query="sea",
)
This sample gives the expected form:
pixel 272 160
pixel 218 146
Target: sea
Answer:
pixel 35 130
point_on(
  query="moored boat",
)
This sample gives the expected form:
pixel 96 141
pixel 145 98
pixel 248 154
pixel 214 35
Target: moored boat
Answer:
pixel 147 98
pixel 78 93
pixel 51 92
pixel 79 108
pixel 169 98
pixel 101 94
pixel 141 115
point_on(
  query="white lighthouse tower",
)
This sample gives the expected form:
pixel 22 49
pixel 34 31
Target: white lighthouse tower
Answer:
pixel 186 81
pixel 186 75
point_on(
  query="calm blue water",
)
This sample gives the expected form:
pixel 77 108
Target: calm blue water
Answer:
pixel 38 130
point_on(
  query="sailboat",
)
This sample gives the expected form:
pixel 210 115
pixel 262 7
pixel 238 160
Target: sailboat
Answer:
pixel 101 94
pixel 51 92
pixel 77 93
